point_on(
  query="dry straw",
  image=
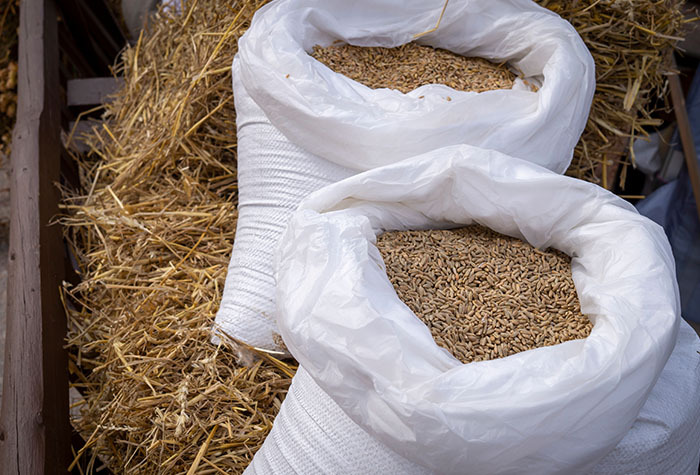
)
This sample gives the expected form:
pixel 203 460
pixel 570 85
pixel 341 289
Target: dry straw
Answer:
pixel 151 228
pixel 9 22
pixel 152 223
pixel 629 41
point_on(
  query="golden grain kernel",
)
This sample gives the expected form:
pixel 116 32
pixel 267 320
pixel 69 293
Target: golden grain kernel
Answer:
pixel 488 309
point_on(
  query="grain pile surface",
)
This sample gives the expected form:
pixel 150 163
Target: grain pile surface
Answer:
pixel 484 295
pixel 411 65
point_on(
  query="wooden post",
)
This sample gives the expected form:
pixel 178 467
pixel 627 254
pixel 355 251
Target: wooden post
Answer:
pixel 686 134
pixel 34 425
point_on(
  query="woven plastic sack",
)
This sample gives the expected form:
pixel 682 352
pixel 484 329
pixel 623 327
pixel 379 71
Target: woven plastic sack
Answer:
pixel 557 409
pixel 274 175
pixel 312 435
pixel 301 126
pixel 665 438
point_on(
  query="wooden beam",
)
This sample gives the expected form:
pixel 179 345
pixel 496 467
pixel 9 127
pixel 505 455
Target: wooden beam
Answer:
pixel 34 426
pixel 686 134
pixel 91 91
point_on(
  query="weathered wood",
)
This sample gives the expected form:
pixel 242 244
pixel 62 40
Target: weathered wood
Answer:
pixel 34 425
pixel 686 134
pixel 91 91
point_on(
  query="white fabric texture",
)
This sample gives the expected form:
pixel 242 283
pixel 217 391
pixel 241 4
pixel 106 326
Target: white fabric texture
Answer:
pixel 557 409
pixel 301 126
pixel 665 438
pixel 361 128
pixel 312 435
pixel 274 175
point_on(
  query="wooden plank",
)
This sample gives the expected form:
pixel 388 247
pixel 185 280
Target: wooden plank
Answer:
pixel 34 426
pixel 91 91
pixel 686 134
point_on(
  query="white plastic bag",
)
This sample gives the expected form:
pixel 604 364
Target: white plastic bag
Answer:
pixel 302 126
pixel 557 409
pixel 274 175
pixel 312 435
pixel 358 127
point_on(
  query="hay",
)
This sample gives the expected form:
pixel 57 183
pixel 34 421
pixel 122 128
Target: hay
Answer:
pixel 9 22
pixel 629 41
pixel 152 222
pixel 152 234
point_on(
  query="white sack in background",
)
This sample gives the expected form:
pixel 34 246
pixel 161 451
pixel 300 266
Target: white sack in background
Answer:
pixel 557 409
pixel 173 5
pixel 312 435
pixel 301 126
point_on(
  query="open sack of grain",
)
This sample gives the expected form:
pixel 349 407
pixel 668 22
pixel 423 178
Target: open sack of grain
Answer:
pixel 554 409
pixel 302 126
pixel 312 434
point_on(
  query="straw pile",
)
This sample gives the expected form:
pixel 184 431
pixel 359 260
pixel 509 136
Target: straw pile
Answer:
pixel 152 222
pixel 151 227
pixel 629 41
pixel 9 21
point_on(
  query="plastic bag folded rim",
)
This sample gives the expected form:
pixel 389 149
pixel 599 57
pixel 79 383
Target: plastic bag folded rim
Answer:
pixel 301 96
pixel 341 318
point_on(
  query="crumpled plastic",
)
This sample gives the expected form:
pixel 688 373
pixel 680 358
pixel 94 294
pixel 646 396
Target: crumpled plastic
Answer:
pixel 556 409
pixel 361 128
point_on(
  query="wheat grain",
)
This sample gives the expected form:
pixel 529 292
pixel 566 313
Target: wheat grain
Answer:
pixel 411 65
pixel 484 295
